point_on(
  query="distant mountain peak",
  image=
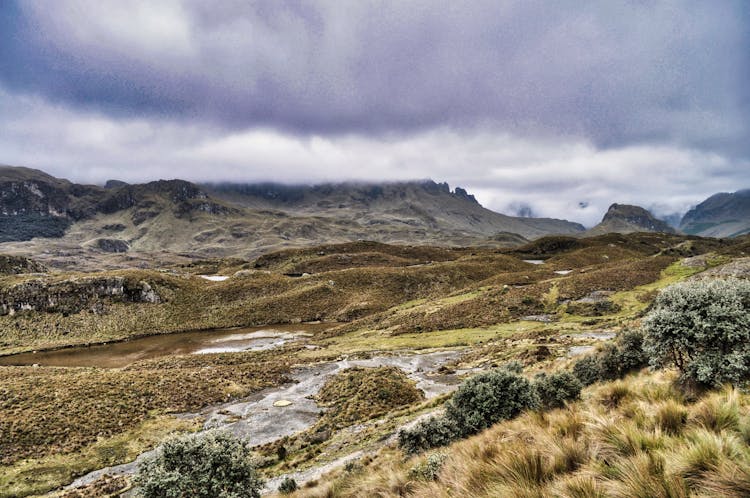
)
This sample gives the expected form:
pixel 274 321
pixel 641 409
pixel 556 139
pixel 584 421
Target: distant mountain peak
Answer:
pixel 721 215
pixel 626 218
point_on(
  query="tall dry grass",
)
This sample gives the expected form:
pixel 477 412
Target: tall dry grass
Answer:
pixel 636 437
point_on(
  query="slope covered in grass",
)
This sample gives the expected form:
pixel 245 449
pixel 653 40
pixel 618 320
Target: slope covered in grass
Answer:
pixel 637 437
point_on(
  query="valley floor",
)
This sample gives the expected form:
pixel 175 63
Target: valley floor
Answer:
pixel 380 305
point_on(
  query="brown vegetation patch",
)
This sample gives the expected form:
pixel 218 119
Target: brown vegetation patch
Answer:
pixel 106 486
pixel 318 256
pixel 359 394
pixel 59 410
pixel 615 277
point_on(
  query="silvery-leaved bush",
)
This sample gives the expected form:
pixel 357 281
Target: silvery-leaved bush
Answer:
pixel 209 465
pixel 703 329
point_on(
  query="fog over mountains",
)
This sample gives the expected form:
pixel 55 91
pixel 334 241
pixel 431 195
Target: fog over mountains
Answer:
pixel 244 219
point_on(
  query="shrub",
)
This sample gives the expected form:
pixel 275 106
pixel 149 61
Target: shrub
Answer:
pixel 429 433
pixel 613 360
pixel 608 362
pixel 489 398
pixel 702 328
pixel 209 465
pixel 557 388
pixel 630 351
pixel 287 486
pixel 429 469
pixel 513 366
pixel 587 370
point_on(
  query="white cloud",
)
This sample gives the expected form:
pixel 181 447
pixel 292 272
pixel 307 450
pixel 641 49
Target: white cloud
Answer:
pixel 138 29
pixel 611 73
pixel 552 176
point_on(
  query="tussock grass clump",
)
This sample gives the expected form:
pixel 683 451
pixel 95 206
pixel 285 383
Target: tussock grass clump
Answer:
pixel 641 475
pixel 622 437
pixel 671 417
pixel 614 393
pixel 579 486
pixel 718 412
pixel 358 394
pixel 650 444
pixel 703 451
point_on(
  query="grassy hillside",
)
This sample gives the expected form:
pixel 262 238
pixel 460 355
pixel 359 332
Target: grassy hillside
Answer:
pixel 637 437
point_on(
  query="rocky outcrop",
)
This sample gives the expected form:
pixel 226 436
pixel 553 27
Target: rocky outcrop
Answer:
pixel 463 194
pixel 34 204
pixel 112 245
pixel 115 184
pixel 624 218
pixel 15 265
pixel 74 295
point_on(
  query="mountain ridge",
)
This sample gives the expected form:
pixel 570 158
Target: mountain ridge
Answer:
pixel 245 219
pixel 723 214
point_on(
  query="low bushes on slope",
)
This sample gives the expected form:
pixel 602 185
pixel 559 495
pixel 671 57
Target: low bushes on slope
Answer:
pixel 651 444
pixel 504 394
pixel 613 360
pixel 477 404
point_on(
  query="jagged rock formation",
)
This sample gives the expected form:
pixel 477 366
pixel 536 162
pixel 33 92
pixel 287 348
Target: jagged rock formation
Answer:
pixel 624 218
pixel 721 215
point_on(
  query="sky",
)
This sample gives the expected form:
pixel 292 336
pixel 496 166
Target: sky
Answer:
pixel 551 108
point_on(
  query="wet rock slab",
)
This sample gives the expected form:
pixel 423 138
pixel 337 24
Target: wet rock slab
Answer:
pixel 282 411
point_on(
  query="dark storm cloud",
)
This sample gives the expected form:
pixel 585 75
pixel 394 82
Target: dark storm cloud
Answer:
pixel 614 73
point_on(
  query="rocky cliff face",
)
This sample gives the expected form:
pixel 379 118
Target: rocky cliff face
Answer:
pixel 624 218
pixel 34 204
pixel 74 295
pixel 721 215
